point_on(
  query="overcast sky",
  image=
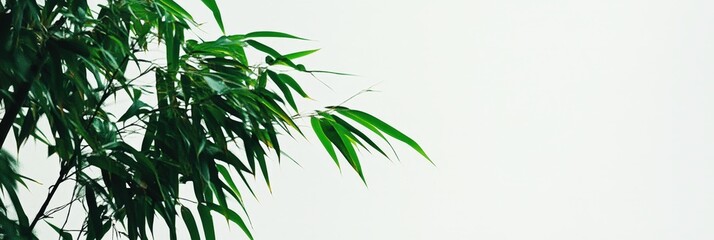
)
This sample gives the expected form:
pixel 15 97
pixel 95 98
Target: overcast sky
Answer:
pixel 546 119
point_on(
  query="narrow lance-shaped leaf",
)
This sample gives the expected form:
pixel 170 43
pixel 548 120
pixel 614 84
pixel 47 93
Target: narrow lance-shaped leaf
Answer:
pixel 94 223
pixel 211 4
pixel 207 222
pixel 343 144
pixel 300 54
pixel 133 110
pixel 245 181
pixel 376 131
pixel 293 84
pixel 272 34
pixel 264 48
pixel 283 88
pixel 359 133
pixel 365 118
pixel 229 180
pixel 279 111
pixel 354 160
pixel 17 204
pixel 63 234
pixel 347 133
pixel 233 188
pixel 263 167
pixel 176 9
pixel 233 216
pixel 323 139
pixel 190 223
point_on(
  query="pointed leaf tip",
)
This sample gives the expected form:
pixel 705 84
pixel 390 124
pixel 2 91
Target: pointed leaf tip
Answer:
pixel 211 4
pixel 372 122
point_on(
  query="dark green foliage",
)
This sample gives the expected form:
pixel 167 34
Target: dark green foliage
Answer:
pixel 203 118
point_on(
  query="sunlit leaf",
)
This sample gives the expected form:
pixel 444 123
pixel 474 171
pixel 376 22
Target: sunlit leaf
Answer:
pixel 300 54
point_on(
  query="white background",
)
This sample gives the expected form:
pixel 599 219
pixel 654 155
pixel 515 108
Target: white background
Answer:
pixel 546 119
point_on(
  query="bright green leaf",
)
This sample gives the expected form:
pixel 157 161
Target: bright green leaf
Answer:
pixel 262 34
pixel 368 119
pixel 300 54
pixel 323 139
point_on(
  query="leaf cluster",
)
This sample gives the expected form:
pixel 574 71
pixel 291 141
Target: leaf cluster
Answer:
pixel 203 118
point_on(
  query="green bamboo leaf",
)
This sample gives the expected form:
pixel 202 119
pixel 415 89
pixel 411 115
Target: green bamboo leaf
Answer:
pixel 229 180
pixel 134 110
pixel 207 222
pixel 28 127
pixel 272 106
pixel 359 133
pixel 233 216
pixel 283 88
pixel 272 140
pixel 190 223
pixel 329 118
pixel 323 139
pixel 226 188
pixel 235 196
pixel 343 144
pixel 293 84
pixel 271 34
pixel 264 169
pixel 300 54
pixel 343 134
pixel 368 119
pixel 215 184
pixel 173 40
pixel 245 181
pixel 141 217
pixel 217 85
pixel 62 233
pixel 371 128
pixel 264 48
pixel 17 204
pixel 274 56
pixel 94 222
pixel 211 4
pixel 132 221
pixel 232 160
pixel 176 9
